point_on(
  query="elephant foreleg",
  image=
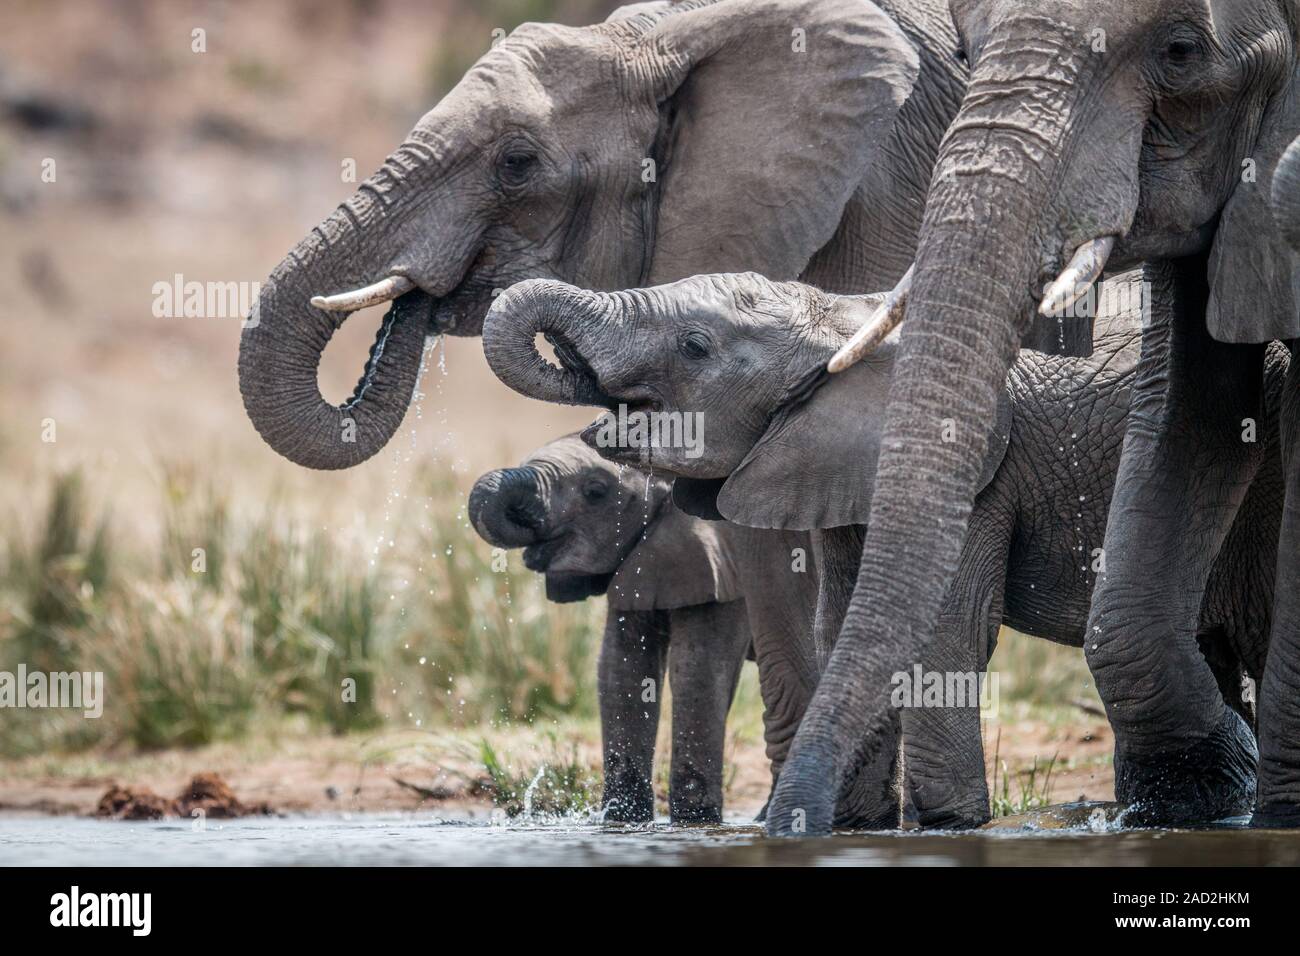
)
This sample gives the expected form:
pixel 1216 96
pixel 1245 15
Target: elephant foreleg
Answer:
pixel 629 683
pixel 942 746
pixel 708 647
pixel 839 555
pixel 870 798
pixel 1180 754
pixel 1278 802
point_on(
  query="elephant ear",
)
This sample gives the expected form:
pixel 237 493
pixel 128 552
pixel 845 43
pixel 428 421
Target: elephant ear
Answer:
pixel 777 109
pixel 681 561
pixel 1254 273
pixel 815 466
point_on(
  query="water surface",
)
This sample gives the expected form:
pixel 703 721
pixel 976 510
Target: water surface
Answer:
pixel 420 839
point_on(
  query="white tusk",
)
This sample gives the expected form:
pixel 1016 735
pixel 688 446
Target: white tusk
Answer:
pixel 381 291
pixel 876 329
pixel 1085 268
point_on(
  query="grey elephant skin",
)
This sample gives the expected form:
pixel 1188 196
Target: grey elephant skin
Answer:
pixel 793 138
pixel 785 448
pixel 1149 128
pixel 682 593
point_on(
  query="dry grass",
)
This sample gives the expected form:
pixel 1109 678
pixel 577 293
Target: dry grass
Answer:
pixel 223 622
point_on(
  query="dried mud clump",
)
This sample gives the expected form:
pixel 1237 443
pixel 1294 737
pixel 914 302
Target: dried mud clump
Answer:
pixel 123 803
pixel 205 792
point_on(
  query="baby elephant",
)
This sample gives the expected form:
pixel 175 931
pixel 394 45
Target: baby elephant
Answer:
pixel 785 446
pixel 675 587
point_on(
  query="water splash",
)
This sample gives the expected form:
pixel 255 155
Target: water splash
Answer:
pixel 531 790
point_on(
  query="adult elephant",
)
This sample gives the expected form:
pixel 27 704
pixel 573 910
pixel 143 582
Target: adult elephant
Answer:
pixel 1143 131
pixel 792 137
pixel 671 139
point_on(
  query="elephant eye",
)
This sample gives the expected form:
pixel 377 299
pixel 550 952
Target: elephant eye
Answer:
pixel 1181 48
pixel 694 345
pixel 594 492
pixel 516 164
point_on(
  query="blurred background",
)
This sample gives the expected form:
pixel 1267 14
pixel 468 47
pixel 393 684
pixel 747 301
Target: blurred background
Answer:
pixel 127 159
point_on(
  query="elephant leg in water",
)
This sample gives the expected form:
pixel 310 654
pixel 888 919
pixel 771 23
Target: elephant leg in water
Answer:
pixel 1278 798
pixel 943 748
pixel 704 646
pixel 707 651
pixel 870 799
pixel 1185 469
pixel 943 757
pixel 1279 693
pixel 633 651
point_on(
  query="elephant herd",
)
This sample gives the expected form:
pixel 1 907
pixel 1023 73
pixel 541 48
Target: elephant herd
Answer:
pixel 954 314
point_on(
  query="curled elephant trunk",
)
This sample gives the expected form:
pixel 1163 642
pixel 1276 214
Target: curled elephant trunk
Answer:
pixel 281 346
pixel 506 507
pixel 1286 195
pixel 569 318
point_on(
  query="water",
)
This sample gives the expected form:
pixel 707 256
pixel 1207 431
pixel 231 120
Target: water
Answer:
pixel 419 839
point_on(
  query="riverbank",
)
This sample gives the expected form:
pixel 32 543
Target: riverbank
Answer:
pixel 1040 759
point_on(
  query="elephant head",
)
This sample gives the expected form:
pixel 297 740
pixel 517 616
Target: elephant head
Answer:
pixel 735 363
pixel 592 527
pixel 678 350
pixel 1110 127
pixel 669 139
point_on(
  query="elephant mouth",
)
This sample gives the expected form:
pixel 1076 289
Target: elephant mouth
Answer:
pixel 461 310
pixel 572 360
pixel 542 555
pixel 605 435
pixel 457 309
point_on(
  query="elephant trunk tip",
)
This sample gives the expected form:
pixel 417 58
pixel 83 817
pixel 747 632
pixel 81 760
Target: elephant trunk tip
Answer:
pixel 567 317
pixel 278 363
pixel 506 509
pixel 803 804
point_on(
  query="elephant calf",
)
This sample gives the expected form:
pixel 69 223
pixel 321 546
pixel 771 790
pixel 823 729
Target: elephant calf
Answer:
pixel 676 588
pixel 786 446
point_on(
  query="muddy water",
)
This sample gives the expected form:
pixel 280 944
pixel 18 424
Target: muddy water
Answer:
pixel 398 839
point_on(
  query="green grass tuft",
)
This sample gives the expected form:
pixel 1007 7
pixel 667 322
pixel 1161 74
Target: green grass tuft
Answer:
pixel 560 785
pixel 1034 785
